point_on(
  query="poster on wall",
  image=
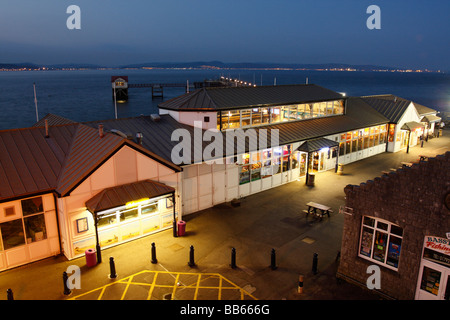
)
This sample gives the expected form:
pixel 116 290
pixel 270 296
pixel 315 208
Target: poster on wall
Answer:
pixel 366 242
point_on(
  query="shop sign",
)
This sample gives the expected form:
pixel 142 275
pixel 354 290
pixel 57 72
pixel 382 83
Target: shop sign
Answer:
pixel 437 244
pixel 134 204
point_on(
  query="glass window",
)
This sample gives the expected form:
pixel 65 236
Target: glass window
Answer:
pixel 371 138
pixel 379 248
pixel 341 148
pixel 265 115
pixel 381 242
pixel 329 107
pixel 266 170
pixel 316 110
pixel 12 234
pixel 354 145
pixel 244 174
pixel 276 166
pixel 31 206
pixel 151 208
pixel 107 220
pixel 230 119
pixel 256 171
pixel 360 143
pixel 245 117
pixel 376 139
pixel 35 228
pixel 382 138
pixel 256 116
pixel 275 115
pixel 338 107
pixel 430 280
pixel 348 147
pixel 129 214
pixel 323 108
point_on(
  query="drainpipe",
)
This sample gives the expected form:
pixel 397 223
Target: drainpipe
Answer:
pixel 97 246
pixel 175 234
pixel 57 223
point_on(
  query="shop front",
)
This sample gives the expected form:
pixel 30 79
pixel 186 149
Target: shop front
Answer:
pixel 434 274
pixel 131 211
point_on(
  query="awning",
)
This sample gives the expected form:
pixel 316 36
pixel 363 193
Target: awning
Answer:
pixel 413 125
pixel 118 196
pixel 430 118
pixel 317 144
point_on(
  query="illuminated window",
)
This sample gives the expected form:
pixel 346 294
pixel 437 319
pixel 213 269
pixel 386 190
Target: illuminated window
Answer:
pixel 380 242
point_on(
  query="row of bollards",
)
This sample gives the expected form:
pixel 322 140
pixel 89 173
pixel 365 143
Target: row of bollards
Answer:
pixel 191 263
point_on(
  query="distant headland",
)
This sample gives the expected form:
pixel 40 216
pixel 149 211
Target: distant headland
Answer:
pixel 212 65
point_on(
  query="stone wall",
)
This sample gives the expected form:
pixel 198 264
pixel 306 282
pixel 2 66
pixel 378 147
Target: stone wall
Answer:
pixel 411 197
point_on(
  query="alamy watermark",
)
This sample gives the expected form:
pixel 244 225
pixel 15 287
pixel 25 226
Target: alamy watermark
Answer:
pixel 74 20
pixel 374 280
pixel 374 20
pixel 213 146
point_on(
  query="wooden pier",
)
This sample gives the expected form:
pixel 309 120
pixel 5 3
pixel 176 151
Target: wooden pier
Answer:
pixel 158 88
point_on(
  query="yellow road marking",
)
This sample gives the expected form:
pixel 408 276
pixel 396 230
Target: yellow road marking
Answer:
pixel 197 284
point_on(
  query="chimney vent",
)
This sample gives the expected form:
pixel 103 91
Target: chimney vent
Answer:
pixel 139 137
pixel 46 128
pixel 100 130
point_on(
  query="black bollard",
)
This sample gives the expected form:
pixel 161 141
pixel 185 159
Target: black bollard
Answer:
pixel 112 268
pixel 9 294
pixel 99 253
pixel 273 265
pixel 154 260
pixel 191 262
pixel 174 227
pixel 67 291
pixel 314 266
pixel 233 258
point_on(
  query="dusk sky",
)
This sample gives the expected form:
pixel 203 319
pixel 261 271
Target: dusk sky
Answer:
pixel 413 33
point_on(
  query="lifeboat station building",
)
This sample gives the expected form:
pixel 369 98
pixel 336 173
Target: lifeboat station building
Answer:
pixel 67 187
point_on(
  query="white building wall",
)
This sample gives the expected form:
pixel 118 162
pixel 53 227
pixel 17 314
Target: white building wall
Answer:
pixel 29 249
pixel 126 166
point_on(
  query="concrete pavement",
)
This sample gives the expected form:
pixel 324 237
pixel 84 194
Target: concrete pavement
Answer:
pixel 272 219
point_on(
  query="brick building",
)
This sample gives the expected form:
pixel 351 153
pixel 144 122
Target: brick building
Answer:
pixel 401 223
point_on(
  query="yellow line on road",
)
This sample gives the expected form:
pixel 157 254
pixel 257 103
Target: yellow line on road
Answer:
pixel 176 286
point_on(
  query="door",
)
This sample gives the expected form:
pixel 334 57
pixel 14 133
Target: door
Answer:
pixel 219 187
pixel 433 282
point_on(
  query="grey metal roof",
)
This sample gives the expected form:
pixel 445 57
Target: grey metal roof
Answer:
pixel 412 125
pixel 392 107
pixel 239 97
pixel 422 110
pixel 157 134
pixel 431 118
pixel 317 144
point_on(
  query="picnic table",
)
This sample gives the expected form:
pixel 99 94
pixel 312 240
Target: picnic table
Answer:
pixel 317 209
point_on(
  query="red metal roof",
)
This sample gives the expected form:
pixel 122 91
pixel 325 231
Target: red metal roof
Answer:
pixel 120 195
pixel 32 164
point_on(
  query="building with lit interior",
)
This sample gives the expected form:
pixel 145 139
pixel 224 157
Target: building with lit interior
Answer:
pixel 66 186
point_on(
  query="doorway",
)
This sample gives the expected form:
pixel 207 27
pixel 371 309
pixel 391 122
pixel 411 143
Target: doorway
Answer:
pixel 433 282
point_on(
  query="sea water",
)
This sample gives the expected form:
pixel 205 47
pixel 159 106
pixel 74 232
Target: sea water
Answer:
pixel 86 95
